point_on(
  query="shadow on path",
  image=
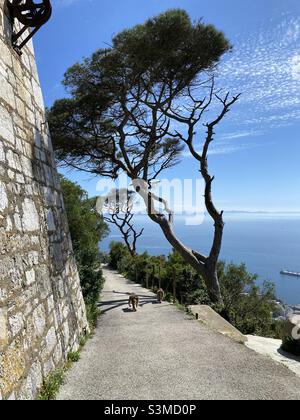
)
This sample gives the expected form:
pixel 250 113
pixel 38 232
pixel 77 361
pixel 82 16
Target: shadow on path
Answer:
pixel 288 355
pixel 109 305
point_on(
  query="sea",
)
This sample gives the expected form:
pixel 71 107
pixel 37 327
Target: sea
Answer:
pixel 266 242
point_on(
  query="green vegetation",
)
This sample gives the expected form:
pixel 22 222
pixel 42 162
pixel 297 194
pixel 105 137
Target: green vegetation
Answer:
pixel 246 306
pixel 87 228
pixel 54 381
pixel 137 86
pixel 123 115
pixel 74 356
pixel 51 385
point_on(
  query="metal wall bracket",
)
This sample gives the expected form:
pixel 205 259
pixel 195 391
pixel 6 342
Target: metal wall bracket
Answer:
pixel 31 15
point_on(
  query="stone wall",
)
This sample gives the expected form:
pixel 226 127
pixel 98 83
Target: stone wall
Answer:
pixel 42 313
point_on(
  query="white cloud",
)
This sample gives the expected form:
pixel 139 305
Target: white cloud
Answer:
pixel 295 66
pixel 224 148
pixel 266 69
pixel 241 134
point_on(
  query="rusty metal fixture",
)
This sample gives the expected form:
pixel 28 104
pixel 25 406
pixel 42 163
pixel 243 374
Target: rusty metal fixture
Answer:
pixel 31 15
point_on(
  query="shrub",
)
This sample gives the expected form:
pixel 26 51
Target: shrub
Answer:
pixel 74 356
pixel 292 346
pixel 87 228
pixel 92 314
pixel 118 253
pixel 51 385
pixel 246 306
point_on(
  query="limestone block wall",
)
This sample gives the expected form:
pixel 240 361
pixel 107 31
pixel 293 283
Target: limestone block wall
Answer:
pixel 42 313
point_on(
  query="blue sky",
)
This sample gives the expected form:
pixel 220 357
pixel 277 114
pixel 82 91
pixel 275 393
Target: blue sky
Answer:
pixel 255 157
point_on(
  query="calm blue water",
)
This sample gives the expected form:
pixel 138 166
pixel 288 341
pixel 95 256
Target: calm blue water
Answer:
pixel 266 243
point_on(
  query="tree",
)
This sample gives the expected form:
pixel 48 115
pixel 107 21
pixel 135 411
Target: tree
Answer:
pixel 118 252
pixel 87 228
pixel 136 106
pixel 247 306
pixel 117 209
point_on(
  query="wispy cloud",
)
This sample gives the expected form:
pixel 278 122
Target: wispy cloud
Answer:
pixel 266 69
pixel 229 148
pixel 225 147
pixel 240 134
pixel 295 66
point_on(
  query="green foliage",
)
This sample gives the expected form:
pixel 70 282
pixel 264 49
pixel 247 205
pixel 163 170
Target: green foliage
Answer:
pixel 118 252
pixel 168 296
pixel 83 340
pixel 168 47
pixel 51 385
pixel 92 314
pixel 123 109
pixel 246 306
pixel 167 52
pixel 138 268
pixel 74 356
pixel 104 257
pixel 54 381
pixel 90 273
pixel 87 228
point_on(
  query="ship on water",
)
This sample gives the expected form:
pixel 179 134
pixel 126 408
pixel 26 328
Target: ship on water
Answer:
pixel 290 273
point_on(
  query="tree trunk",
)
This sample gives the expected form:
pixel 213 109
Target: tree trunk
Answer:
pixel 204 266
pixel 213 285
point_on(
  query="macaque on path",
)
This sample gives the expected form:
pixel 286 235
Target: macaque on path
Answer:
pixel 160 295
pixel 133 301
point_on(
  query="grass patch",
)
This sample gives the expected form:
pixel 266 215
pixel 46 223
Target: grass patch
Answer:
pixel 180 307
pixel 51 385
pixel 83 340
pixel 185 309
pixel 74 356
pixel 92 313
pixel 54 381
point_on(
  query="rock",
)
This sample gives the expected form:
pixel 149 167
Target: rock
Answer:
pixel 292 328
pixel 38 317
pixel 3 328
pixel 209 317
pixel 280 311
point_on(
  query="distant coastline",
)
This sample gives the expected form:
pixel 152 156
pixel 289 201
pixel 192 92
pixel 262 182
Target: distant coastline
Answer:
pixel 266 242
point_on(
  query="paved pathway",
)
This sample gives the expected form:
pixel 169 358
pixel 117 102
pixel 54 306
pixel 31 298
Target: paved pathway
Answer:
pixel 161 353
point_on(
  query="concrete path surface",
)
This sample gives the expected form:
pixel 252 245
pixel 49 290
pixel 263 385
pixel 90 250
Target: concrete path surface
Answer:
pixel 271 348
pixel 161 353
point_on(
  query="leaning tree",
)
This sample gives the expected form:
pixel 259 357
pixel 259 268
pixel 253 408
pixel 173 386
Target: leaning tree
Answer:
pixel 117 208
pixel 134 107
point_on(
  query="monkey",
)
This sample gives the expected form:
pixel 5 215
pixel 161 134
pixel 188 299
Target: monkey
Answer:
pixel 133 301
pixel 160 295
